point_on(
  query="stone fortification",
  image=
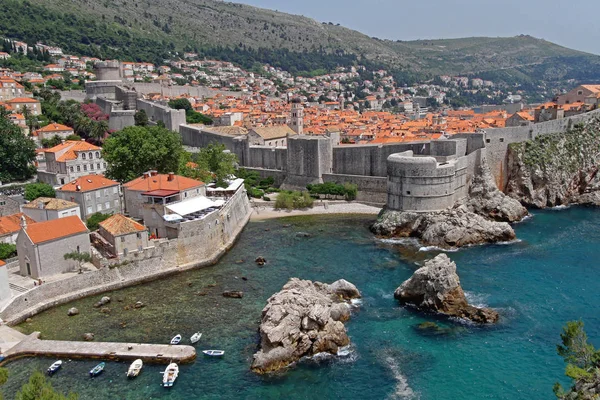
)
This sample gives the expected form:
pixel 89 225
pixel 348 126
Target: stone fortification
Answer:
pixel 172 118
pixel 216 233
pixel 308 158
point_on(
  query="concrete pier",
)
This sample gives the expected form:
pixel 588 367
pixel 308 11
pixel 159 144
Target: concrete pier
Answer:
pixel 32 346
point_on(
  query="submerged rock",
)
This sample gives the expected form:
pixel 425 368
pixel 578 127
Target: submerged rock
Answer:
pixel 454 227
pixel 303 319
pixel 436 287
pixel 236 294
pixel 260 261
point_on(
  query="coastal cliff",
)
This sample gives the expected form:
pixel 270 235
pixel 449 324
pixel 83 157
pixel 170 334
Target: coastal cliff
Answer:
pixel 557 169
pixel 303 319
pixel 436 287
pixel 483 217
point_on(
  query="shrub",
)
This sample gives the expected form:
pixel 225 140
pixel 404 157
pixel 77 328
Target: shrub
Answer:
pixel 35 190
pixel 293 200
pixel 256 193
pixel 94 220
pixel 7 250
pixel 265 198
pixel 350 191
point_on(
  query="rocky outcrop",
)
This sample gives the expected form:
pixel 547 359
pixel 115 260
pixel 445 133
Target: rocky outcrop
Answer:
pixel 486 200
pixel 455 227
pixel 436 287
pixel 556 169
pixel 303 319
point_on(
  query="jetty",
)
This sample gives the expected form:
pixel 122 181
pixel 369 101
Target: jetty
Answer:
pixel 32 346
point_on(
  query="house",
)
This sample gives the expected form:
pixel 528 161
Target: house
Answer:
pixel 4 55
pixel 270 135
pixel 31 104
pixel 548 111
pixel 71 160
pixel 10 89
pixel 47 208
pixel 8 205
pixel 147 197
pixel 42 246
pixel 54 129
pixel 10 226
pixel 579 94
pixel 124 235
pixel 520 118
pixel 93 193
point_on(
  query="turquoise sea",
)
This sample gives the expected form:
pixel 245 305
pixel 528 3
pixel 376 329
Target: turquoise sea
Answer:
pixel 546 279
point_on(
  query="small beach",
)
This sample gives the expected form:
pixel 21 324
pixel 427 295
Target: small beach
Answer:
pixel 264 211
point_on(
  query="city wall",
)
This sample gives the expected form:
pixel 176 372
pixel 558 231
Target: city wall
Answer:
pixel 176 90
pixel 172 119
pixel 217 235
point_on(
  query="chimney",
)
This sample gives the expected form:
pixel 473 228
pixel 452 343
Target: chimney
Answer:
pixel 153 173
pixel 23 222
pixel 171 176
pixel 40 205
pixel 146 174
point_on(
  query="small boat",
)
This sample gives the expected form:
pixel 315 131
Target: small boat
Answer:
pixel 135 368
pixel 176 339
pixel 54 367
pixel 170 374
pixel 97 369
pixel 195 337
pixel 214 353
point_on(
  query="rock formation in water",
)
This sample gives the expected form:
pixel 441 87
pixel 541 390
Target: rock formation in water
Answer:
pixel 556 169
pixel 303 319
pixel 436 287
pixel 481 218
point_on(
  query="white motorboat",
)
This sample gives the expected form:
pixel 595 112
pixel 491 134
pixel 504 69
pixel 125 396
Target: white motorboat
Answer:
pixel 54 367
pixel 195 337
pixel 135 368
pixel 170 374
pixel 176 339
pixel 214 353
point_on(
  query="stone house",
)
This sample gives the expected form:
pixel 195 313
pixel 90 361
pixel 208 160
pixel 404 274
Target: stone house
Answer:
pixel 520 118
pixel 548 112
pixel 41 246
pixel 54 129
pixel 10 89
pixel 47 209
pixel 93 193
pixel 275 136
pixel 33 105
pixel 124 235
pixel 10 226
pixel 8 205
pixel 147 196
pixel 579 94
pixel 71 160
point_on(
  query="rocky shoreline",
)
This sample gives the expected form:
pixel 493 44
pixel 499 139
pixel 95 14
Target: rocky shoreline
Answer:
pixel 303 319
pixel 435 287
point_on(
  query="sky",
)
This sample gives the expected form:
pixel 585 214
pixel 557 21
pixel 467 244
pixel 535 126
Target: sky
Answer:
pixel 559 21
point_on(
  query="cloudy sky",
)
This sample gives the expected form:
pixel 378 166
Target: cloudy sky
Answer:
pixel 559 21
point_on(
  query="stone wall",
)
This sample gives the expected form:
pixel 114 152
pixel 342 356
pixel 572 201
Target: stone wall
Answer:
pixel 157 112
pixel 219 234
pixel 176 91
pixel 371 189
pixel 106 89
pixel 267 157
pixel 308 158
pixel 119 119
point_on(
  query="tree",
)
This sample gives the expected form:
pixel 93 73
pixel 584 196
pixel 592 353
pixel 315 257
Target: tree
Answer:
pixel 214 162
pixel 141 118
pixel 35 190
pixel 7 250
pixel 137 149
pixel 583 362
pixel 17 152
pixel 93 222
pixel 54 141
pixel 38 388
pixel 79 257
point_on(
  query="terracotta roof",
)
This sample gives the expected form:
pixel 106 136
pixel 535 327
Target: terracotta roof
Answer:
pixel 119 224
pixel 71 147
pixel 12 223
pixel 161 193
pixel 54 127
pixel 47 203
pixel 87 183
pixel 161 181
pixel 55 229
pixel 274 132
pixel 2 263
pixel 22 100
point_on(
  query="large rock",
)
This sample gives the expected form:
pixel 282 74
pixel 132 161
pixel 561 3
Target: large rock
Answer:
pixel 556 169
pixel 436 287
pixel 303 319
pixel 72 311
pixel 454 227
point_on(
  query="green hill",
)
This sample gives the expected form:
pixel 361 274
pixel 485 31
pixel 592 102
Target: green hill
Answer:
pixel 152 30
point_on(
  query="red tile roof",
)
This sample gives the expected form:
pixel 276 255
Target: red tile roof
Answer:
pixel 55 229
pixel 87 183
pixel 72 146
pixel 12 223
pixel 161 181
pixel 119 224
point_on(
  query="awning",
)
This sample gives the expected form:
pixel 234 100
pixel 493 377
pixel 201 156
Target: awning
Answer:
pixel 233 186
pixel 192 205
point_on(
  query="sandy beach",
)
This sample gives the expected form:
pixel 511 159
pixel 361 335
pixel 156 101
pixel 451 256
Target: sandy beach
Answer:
pixel 262 212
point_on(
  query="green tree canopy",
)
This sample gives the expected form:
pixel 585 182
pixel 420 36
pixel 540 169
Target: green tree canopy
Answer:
pixel 137 149
pixel 141 118
pixel 17 152
pixel 93 222
pixel 35 190
pixel 213 162
pixel 38 388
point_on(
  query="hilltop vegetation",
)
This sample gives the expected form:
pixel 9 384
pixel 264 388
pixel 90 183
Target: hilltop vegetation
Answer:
pixel 147 30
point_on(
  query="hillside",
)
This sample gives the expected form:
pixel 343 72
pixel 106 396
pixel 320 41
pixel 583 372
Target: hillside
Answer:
pixel 147 29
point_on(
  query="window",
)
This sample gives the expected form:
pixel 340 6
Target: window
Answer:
pixel 139 235
pixel 408 192
pixel 98 165
pixel 88 197
pixel 62 181
pixel 83 156
pixel 99 207
pixel 579 92
pixel 71 168
pixel 107 205
pixel 89 210
pixel 2 202
pixel 115 190
pixel 91 167
pixel 90 155
pixel 78 168
pixel 501 140
pixel 122 239
pixel 488 140
pixel 185 194
pixel 97 194
pixel 116 204
pixel 64 214
pixel 85 167
pixel 97 154
pixel 105 192
pixel 74 212
pixel 104 164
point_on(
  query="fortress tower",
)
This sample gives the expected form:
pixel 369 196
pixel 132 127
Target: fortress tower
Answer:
pixel 297 121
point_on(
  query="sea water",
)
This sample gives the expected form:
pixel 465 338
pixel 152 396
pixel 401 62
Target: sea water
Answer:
pixel 537 284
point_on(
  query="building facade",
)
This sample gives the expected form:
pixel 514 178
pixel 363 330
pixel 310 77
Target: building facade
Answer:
pixel 47 209
pixel 93 193
pixel 124 235
pixel 71 160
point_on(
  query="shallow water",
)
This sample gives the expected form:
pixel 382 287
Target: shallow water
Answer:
pixel 537 284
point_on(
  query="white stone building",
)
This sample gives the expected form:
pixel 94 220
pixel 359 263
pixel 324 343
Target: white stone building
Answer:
pixel 71 160
pixel 47 209
pixel 93 193
pixel 124 235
